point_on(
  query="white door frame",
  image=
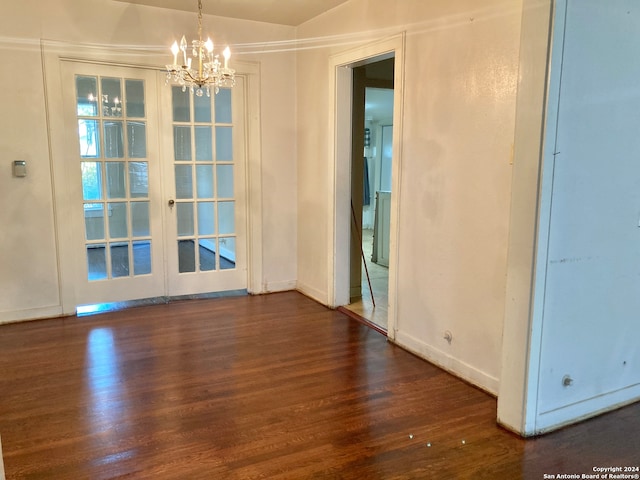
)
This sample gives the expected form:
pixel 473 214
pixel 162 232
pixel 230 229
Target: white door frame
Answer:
pixel 53 54
pixel 340 80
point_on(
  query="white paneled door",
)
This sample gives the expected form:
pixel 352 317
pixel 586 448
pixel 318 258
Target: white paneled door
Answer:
pixel 156 185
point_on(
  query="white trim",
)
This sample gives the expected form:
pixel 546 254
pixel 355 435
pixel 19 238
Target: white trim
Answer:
pixel 311 292
pixel 340 67
pixel 281 286
pixel 532 415
pixel 447 362
pixel 591 407
pixel 13 316
pixel 253 149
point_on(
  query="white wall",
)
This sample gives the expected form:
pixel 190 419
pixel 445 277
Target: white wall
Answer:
pixel 460 73
pixel 29 274
pixel 584 324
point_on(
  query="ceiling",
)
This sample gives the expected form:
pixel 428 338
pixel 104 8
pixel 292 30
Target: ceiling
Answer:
pixel 284 12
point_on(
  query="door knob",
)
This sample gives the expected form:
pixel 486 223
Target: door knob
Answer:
pixel 171 202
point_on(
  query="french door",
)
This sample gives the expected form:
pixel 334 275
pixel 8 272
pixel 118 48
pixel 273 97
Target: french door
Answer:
pixel 155 181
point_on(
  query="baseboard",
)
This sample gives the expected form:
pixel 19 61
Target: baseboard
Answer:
pixel 456 367
pixel 30 314
pixel 282 286
pixel 312 292
pixel 591 407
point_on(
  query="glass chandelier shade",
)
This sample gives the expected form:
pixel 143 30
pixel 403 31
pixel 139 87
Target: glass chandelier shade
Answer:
pixel 202 70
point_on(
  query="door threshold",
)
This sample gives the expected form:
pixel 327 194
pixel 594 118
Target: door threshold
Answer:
pixel 359 318
pixel 86 310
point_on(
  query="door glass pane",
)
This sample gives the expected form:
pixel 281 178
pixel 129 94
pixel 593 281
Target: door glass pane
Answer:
pixel 184 182
pixel 224 181
pixel 111 97
pixel 202 107
pixel 142 257
pixel 182 142
pixel 223 106
pixel 226 218
pixel 91 180
pixel 119 260
pixel 115 180
pixel 113 139
pixel 89 138
pixel 87 96
pixel 224 144
pixel 206 218
pixel 137 139
pixel 227 253
pixel 97 262
pixel 94 221
pixel 180 104
pixel 204 181
pixel 184 211
pixel 117 220
pixel 186 256
pixel 135 98
pixel 207 254
pixel 140 219
pixel 204 150
pixel 138 179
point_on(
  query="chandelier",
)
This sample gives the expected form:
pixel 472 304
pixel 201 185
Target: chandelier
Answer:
pixel 202 70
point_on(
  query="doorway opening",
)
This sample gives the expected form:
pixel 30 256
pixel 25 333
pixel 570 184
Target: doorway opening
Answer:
pixel 371 167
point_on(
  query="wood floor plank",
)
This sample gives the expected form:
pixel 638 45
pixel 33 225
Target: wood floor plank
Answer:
pixel 265 387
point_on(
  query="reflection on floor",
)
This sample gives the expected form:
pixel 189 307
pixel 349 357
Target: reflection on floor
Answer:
pixel 379 276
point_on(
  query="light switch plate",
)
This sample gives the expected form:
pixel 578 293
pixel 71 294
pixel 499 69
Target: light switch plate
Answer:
pixel 19 168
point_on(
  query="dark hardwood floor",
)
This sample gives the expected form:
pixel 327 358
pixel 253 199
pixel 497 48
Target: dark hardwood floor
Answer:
pixel 266 387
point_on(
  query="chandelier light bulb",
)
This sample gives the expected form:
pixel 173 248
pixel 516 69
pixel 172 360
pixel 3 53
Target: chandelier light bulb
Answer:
pixel 227 55
pixel 209 45
pixel 175 49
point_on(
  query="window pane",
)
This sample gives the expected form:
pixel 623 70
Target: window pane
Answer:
pixel 204 181
pixel 224 144
pixel 202 106
pixel 94 221
pixel 184 211
pixel 113 139
pixel 135 98
pixel 186 256
pixel 115 180
pixel 223 106
pixel 96 262
pixel 207 253
pixel 204 150
pixel 111 97
pixel 227 253
pixel 119 260
pixel 180 104
pixel 182 142
pixel 184 181
pixel 87 96
pixel 137 139
pixel 140 219
pixel 91 180
pixel 142 257
pixel 138 179
pixel 89 137
pixel 226 218
pixel 118 220
pixel 224 181
pixel 206 218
